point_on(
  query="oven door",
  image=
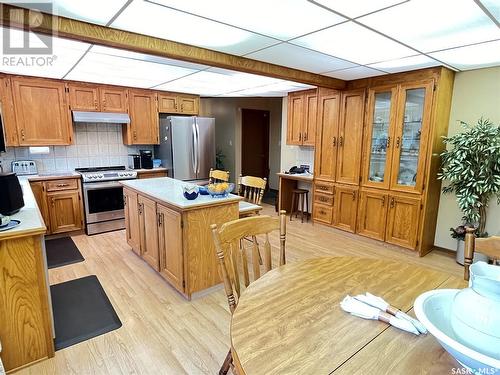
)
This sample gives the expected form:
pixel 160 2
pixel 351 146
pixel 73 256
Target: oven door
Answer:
pixel 103 201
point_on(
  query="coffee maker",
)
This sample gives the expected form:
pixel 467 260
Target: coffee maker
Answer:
pixel 146 159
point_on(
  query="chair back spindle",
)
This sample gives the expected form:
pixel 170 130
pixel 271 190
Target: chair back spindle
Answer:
pixel 252 188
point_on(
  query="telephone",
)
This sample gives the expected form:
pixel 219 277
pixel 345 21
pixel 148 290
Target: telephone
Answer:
pixel 296 170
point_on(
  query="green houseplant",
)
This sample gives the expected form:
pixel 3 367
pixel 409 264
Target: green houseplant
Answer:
pixel 472 168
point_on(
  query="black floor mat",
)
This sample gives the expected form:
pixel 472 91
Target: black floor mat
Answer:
pixel 62 251
pixel 82 310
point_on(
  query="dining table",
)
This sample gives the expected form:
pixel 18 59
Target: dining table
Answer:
pixel 289 321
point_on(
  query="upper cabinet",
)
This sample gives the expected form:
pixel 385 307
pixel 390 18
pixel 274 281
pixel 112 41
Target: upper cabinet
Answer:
pixel 113 99
pixel 302 117
pixel 144 121
pixel 42 115
pixel 8 114
pixel 178 103
pixel 83 97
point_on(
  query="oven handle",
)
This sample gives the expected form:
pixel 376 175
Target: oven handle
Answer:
pixel 101 185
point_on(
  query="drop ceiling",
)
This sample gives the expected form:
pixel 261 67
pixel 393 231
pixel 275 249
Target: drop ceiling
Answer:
pixel 345 39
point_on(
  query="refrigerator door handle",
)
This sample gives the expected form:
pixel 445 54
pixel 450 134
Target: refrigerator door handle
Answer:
pixel 194 149
pixel 198 148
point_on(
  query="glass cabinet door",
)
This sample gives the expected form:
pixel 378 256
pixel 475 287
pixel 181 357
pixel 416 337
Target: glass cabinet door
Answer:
pixel 378 150
pixel 411 135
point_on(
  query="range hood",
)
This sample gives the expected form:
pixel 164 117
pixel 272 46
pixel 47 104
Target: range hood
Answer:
pixel 102 117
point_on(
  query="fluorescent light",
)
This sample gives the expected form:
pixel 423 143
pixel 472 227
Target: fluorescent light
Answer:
pixel 354 43
pixel 299 58
pixel 493 7
pixel 354 73
pixel 471 57
pixel 405 64
pixel 278 89
pixel 156 20
pixel 279 19
pixel 356 8
pixel 430 25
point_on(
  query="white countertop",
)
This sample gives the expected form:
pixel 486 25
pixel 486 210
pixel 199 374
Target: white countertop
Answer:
pixel 29 215
pixel 297 176
pixel 170 191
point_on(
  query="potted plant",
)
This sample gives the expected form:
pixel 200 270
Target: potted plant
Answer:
pixel 472 168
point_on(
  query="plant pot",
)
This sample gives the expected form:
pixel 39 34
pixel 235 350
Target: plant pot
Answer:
pixel 461 254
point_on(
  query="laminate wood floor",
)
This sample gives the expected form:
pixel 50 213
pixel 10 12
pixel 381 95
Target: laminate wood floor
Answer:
pixel 162 333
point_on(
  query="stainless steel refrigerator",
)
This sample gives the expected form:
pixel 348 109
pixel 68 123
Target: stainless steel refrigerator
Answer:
pixel 187 146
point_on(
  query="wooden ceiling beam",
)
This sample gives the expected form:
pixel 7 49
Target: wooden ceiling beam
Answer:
pixel 20 18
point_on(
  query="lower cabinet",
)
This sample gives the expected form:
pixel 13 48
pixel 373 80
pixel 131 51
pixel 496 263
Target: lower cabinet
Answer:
pixel 402 221
pixel 131 206
pixel 345 207
pixel 148 229
pixel 372 215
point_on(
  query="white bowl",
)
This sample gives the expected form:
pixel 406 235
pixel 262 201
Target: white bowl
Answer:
pixel 434 309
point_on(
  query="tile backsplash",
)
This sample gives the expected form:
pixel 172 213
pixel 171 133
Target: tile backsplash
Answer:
pixel 95 145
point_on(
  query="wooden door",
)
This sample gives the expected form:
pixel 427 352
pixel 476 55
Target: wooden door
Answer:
pixel 379 136
pixel 148 229
pixel 310 118
pixel 402 221
pixel 295 119
pixel 410 145
pixel 345 208
pixel 255 144
pixel 167 103
pixel 326 134
pixel 131 206
pixel 38 189
pixel 113 99
pixel 372 213
pixel 42 114
pixel 7 112
pixel 170 246
pixel 64 211
pixel 144 120
pixel 189 104
pixel 350 137
pixel 83 97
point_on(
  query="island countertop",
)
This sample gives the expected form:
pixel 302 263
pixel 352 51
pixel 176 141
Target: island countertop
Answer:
pixel 169 190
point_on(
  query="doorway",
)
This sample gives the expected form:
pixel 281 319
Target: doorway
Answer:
pixel 255 143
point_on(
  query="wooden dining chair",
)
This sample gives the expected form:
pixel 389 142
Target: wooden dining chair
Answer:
pixel 252 188
pixel 489 246
pixel 233 258
pixel 216 175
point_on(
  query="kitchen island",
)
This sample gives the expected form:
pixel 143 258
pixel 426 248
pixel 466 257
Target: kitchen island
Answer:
pixel 172 234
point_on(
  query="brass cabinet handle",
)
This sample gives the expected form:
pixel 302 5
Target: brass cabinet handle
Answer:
pixel 62 185
pixel 135 135
pixel 124 201
pixel 52 202
pixel 354 195
pixel 397 142
pixel 383 201
pixel 103 103
pixel 22 134
pixel 323 199
pixel 341 141
pixel 334 141
pixel 182 107
pixel 305 136
pixel 322 187
pixel 388 142
pixel 392 202
pixel 300 136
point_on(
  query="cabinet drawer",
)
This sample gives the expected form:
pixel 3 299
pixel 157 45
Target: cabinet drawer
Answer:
pixel 67 184
pixel 323 199
pixel 324 187
pixel 322 213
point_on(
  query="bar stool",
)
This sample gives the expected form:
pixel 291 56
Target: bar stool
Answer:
pixel 300 196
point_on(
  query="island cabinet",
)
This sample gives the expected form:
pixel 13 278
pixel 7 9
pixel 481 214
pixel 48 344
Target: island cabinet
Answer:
pixel 173 234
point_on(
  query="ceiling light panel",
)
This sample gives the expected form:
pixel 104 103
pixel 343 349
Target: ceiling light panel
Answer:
pixel 493 7
pixel 354 43
pixel 278 89
pixel 354 73
pixel 293 56
pixel 356 8
pixel 430 25
pixel 65 54
pixel 471 57
pixel 279 19
pixel 156 20
pixel 405 64
pixel 102 68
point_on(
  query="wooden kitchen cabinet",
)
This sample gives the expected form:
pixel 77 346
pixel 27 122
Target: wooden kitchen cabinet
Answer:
pixel 372 213
pixel 113 99
pixel 38 189
pixel 302 117
pixel 8 113
pixel 83 97
pixel 402 220
pixel 323 213
pixel 170 246
pixel 345 207
pixel 42 114
pixel 178 103
pixel 131 207
pixel 148 231
pixel 144 120
pixel 65 211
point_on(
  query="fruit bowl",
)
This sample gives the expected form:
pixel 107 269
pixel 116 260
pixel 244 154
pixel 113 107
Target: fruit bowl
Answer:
pixel 220 189
pixel 190 192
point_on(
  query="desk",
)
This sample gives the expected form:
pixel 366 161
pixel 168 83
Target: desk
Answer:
pixel 290 322
pixel 288 182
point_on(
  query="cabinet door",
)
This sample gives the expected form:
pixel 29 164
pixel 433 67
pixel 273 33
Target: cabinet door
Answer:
pixel 345 208
pixel 64 211
pixel 41 200
pixel 402 221
pixel 83 97
pixel 310 118
pixel 326 134
pixel 350 137
pixel 38 123
pixel 411 137
pixel 8 114
pixel 189 104
pixel 143 118
pixel 113 99
pixel 167 103
pixel 295 119
pixel 148 228
pixel 170 247
pixel 379 139
pixel 372 214
pixel 131 207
